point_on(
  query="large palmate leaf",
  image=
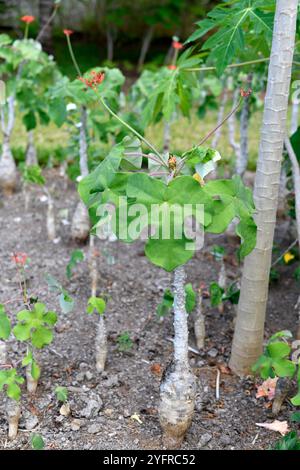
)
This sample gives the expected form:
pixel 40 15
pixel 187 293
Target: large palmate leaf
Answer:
pixel 232 199
pixel 235 24
pixel 35 325
pixel 168 246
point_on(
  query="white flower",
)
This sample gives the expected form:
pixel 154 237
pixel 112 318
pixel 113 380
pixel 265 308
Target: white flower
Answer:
pixel 71 107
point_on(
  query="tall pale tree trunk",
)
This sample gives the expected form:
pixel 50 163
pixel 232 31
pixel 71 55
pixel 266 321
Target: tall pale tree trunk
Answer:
pixel 145 46
pixel 45 10
pixel 8 169
pixel 249 330
pixel 178 388
pixel 110 43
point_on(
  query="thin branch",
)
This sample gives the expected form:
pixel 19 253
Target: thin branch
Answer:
pixel 285 252
pixel 211 133
pixel 48 22
pixel 231 66
pixel 151 157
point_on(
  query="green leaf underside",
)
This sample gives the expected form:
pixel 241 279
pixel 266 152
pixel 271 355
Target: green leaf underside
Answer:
pixel 134 196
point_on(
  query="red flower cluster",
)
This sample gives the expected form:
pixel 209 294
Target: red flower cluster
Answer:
pixel 96 78
pixel 245 93
pixel 177 45
pixel 20 258
pixel 28 19
pixel 68 32
pixel 172 67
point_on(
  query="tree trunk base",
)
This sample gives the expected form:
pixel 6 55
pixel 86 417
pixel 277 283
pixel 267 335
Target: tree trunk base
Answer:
pixel 80 228
pixel 176 408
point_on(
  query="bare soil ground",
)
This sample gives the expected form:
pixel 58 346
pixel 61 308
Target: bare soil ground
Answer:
pixel 102 406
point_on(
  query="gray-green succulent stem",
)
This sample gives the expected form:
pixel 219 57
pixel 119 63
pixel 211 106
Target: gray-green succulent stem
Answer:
pixel 178 388
pixel 180 319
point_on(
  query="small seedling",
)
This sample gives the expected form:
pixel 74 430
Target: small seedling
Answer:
pixel 96 304
pixel 37 442
pixel 76 257
pixel 279 360
pixel 167 302
pixel 61 394
pixel 125 343
pixel 219 295
pixel 289 442
pixel 66 302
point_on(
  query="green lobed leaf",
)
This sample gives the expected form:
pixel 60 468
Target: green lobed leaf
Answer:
pixel 96 303
pixel 37 442
pixel 278 350
pixel 61 393
pixel 5 325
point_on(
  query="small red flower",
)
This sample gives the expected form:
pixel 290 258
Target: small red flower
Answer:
pixel 177 45
pixel 96 78
pixel 20 258
pixel 172 67
pixel 68 32
pixel 245 93
pixel 28 19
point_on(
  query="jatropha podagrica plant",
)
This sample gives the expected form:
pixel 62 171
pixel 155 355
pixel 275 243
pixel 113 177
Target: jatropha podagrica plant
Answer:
pixel 169 182
pixel 34 326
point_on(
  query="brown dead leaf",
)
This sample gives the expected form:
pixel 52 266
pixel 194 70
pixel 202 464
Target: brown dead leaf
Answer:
pixel 278 426
pixel 224 369
pixel 267 389
pixel 156 369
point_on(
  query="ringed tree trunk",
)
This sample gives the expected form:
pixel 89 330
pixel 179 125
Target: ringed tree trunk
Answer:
pixel 145 46
pixel 45 10
pixel 80 227
pixel 178 388
pixel 249 331
pixel 8 169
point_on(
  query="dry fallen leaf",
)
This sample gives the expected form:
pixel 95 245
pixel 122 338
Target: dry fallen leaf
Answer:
pixel 278 426
pixel 267 389
pixel 156 369
pixel 65 409
pixel 224 369
pixel 137 418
